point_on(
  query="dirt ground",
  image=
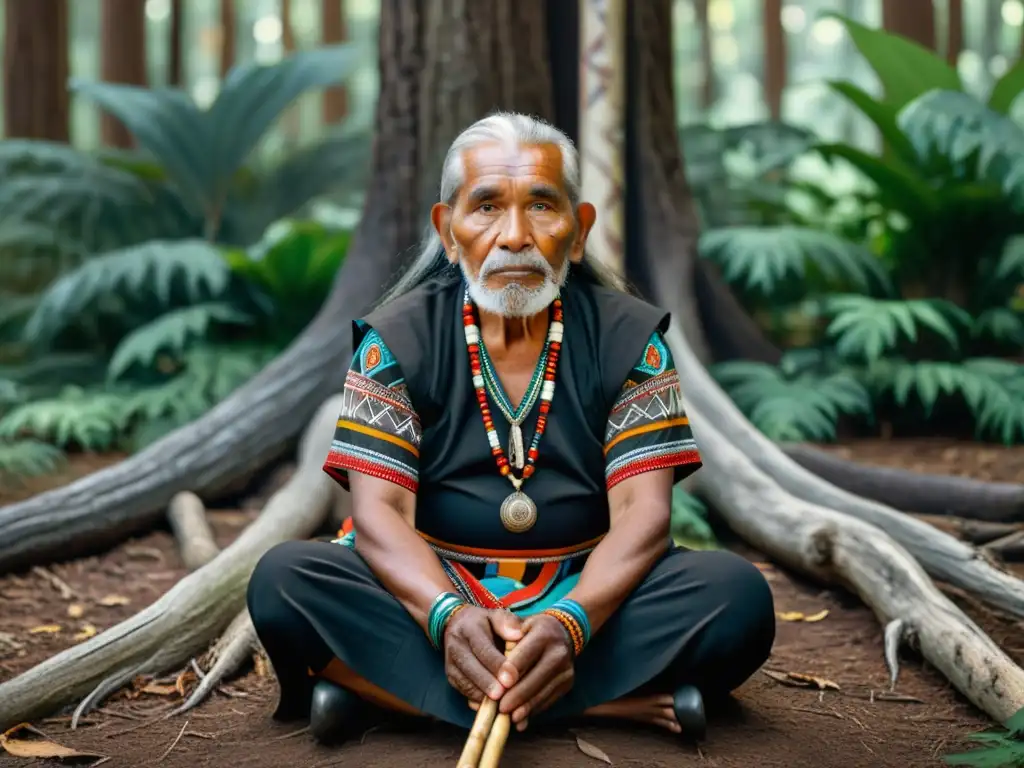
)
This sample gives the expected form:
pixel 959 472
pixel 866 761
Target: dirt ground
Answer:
pixel 775 723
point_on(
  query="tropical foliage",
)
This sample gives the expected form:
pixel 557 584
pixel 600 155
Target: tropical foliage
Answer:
pixel 141 288
pixel 903 296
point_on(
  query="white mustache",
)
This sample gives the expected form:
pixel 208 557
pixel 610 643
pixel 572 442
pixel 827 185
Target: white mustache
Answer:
pixel 499 259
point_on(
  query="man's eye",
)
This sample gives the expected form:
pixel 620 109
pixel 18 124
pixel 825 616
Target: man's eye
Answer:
pixel 486 208
pixel 541 207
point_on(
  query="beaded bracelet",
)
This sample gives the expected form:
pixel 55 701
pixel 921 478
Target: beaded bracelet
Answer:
pixel 445 605
pixel 572 616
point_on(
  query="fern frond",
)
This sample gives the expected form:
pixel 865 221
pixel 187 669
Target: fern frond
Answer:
pixel 805 407
pixel 91 420
pixel 1000 324
pixel 864 327
pixel 141 274
pixel 962 129
pixel 1010 265
pixel 28 458
pixel 171 333
pixel 760 258
pixel 689 524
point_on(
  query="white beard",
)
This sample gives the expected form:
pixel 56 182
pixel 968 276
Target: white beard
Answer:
pixel 515 299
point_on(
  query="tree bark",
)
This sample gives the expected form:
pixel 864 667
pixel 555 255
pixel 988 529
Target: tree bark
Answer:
pixel 745 475
pixel 774 57
pixel 123 58
pixel 955 32
pixel 175 72
pixel 707 59
pixel 36 102
pixel 333 30
pixel 913 19
pixel 227 36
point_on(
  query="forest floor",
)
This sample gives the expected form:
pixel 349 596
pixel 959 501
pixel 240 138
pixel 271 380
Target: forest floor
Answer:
pixel 842 719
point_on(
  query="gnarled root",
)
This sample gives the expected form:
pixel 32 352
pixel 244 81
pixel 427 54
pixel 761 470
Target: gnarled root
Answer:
pixel 188 617
pixel 838 548
pixel 915 491
pixel 187 515
pixel 229 653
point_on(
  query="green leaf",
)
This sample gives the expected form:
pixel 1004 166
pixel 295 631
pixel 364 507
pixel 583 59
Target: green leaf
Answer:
pixel 864 327
pixel 689 521
pixel 761 258
pixel 28 458
pixel 144 274
pixel 170 333
pixel 1000 324
pixel 905 68
pixel 92 421
pixel 1010 265
pixel 254 95
pixel 1006 89
pixel 1015 725
pixel 883 115
pixel 167 123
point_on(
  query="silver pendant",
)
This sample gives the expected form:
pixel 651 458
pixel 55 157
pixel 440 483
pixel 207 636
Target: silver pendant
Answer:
pixel 516 452
pixel 518 512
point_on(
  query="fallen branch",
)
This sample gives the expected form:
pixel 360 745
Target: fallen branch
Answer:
pixel 974 531
pixel 187 515
pixel 1010 548
pixel 229 653
pixel 921 492
pixel 187 618
pixel 838 548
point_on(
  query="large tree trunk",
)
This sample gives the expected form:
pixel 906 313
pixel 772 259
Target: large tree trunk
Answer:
pixel 747 478
pixel 36 104
pixel 333 30
pixel 416 59
pixel 123 58
pixel 913 19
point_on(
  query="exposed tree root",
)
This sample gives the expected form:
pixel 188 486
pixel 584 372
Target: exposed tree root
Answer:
pixel 187 618
pixel 187 515
pixel 1010 548
pixel 229 653
pixel 974 531
pixel 838 548
pixel 920 492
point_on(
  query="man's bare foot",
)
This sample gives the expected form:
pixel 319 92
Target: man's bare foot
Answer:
pixel 653 710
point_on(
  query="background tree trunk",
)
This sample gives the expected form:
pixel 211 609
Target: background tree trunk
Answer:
pixel 227 36
pixel 333 30
pixel 175 73
pixel 123 58
pixel 913 19
pixel 36 103
pixel 707 60
pixel 774 57
pixel 955 32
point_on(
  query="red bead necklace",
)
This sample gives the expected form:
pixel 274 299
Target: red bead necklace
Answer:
pixel 518 511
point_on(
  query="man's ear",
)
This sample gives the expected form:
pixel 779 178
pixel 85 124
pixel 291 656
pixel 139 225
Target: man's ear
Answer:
pixel 441 218
pixel 586 215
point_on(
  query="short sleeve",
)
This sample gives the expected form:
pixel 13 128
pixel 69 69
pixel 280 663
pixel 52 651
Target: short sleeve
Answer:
pixel 647 427
pixel 378 432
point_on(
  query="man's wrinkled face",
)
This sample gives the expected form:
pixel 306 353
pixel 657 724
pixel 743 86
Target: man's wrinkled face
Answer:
pixel 512 229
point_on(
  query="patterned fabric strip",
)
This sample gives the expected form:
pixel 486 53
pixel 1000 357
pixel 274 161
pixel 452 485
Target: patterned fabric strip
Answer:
pixel 647 427
pixel 378 433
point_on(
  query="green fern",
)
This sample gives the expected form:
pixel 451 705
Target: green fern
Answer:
pixel 1010 265
pixel 1001 749
pixel 689 521
pixel 798 408
pixel 762 258
pixel 144 274
pixel 864 327
pixel 28 458
pixel 92 421
pixel 1001 324
pixel 171 333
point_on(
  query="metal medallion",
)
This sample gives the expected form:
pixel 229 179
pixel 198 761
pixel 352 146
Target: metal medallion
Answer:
pixel 518 512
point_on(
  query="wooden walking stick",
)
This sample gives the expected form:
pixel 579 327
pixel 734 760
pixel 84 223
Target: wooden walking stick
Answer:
pixel 487 737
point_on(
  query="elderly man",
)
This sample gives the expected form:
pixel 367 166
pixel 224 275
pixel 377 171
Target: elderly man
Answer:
pixel 511 431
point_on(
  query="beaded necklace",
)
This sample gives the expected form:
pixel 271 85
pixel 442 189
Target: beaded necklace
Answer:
pixel 518 511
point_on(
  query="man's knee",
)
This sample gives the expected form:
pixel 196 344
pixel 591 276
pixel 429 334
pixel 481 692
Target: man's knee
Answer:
pixel 270 582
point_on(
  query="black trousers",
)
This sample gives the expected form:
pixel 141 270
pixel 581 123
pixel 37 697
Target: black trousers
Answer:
pixel 701 617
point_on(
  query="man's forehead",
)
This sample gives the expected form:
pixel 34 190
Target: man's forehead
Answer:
pixel 493 160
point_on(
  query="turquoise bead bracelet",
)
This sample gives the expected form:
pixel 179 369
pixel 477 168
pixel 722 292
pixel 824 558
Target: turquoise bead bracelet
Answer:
pixel 441 610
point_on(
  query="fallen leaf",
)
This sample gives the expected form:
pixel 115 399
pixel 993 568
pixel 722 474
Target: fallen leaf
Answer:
pixel 88 630
pixel 113 600
pixel 184 679
pixel 76 611
pixel 800 616
pixel 590 750
pixel 45 629
pixel 157 689
pixel 38 747
pixel 800 680
pixel 262 664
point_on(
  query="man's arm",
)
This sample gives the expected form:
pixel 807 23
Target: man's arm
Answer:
pixel 640 508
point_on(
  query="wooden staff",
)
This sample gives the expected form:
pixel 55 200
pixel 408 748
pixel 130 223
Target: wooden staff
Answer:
pixel 487 737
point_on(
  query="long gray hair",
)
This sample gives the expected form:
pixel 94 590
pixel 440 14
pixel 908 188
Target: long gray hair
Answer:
pixel 511 129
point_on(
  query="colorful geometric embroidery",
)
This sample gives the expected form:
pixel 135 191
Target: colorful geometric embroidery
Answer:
pixel 378 432
pixel 656 356
pixel 647 428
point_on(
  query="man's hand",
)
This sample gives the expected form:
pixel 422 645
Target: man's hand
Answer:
pixel 544 664
pixel 476 667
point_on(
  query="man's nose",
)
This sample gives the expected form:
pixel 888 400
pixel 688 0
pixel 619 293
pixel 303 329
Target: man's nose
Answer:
pixel 515 232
